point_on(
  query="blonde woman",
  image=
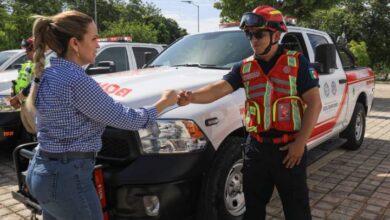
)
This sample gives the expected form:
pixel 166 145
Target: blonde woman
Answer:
pixel 72 112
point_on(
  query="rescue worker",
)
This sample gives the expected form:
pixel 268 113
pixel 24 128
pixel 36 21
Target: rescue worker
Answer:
pixel 24 74
pixel 21 88
pixel 282 107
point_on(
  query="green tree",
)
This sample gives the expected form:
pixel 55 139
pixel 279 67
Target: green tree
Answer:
pixel 140 32
pixel 376 24
pixel 359 49
pixel 17 22
pixel 168 29
pixel 134 15
pixel 5 41
pixel 232 10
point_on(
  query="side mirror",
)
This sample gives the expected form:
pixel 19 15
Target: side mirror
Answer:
pixel 102 67
pixel 325 58
pixel 17 66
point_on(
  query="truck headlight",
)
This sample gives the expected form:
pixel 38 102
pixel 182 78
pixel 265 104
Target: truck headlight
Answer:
pixel 5 105
pixel 172 136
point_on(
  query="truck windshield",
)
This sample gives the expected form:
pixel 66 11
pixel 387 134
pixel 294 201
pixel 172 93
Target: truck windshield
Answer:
pixel 5 55
pixel 208 50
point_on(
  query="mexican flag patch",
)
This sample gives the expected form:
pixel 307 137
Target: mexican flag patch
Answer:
pixel 313 73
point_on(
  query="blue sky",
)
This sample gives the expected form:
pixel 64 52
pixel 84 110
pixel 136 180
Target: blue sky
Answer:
pixel 186 14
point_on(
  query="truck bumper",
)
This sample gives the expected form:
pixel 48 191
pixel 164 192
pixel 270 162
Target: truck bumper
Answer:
pixel 163 187
pixel 176 200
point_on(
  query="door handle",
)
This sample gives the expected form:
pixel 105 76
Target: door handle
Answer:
pixel 342 81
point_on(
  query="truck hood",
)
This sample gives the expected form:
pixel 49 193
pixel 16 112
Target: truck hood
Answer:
pixel 144 87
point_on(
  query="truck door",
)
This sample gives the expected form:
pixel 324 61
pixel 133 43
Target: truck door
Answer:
pixel 333 94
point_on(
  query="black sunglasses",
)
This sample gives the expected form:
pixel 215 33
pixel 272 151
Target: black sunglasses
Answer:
pixel 258 34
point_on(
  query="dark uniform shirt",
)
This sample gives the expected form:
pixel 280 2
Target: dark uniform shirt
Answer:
pixel 304 80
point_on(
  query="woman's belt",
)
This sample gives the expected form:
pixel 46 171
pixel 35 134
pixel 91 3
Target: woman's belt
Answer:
pixel 67 155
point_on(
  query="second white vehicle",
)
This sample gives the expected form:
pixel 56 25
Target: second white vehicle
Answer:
pixel 114 55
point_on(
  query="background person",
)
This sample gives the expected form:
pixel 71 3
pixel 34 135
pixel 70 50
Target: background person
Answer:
pixel 72 112
pixel 21 87
pixel 278 85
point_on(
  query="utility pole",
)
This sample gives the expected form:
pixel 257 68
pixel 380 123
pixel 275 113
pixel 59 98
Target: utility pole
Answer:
pixel 192 3
pixel 96 21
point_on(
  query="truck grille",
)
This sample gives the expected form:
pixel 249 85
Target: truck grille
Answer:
pixel 119 146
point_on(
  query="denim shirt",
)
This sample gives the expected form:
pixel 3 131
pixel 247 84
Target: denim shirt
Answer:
pixel 73 111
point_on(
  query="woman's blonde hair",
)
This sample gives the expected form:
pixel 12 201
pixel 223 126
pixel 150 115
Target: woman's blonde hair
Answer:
pixel 54 32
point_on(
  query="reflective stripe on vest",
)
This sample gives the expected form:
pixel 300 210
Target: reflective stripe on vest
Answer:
pixel 291 52
pixel 256 94
pixel 296 115
pixel 286 91
pixel 280 81
pixel 250 90
pixel 259 86
pixel 246 86
pixel 291 61
pixel 293 85
pixel 267 106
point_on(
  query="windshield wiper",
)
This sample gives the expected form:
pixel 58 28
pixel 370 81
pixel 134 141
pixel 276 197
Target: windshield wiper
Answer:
pixel 206 66
pixel 152 66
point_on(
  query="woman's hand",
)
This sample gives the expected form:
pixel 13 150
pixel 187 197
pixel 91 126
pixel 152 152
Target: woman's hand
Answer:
pixel 168 98
pixel 15 102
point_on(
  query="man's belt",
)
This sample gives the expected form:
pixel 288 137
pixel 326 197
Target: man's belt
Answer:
pixel 284 139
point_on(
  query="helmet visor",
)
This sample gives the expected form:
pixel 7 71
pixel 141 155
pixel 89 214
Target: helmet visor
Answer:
pixel 252 20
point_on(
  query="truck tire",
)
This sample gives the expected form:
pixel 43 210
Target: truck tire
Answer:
pixel 222 195
pixel 354 133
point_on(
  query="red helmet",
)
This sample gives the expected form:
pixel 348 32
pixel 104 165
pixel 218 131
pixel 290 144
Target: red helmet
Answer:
pixel 264 17
pixel 27 43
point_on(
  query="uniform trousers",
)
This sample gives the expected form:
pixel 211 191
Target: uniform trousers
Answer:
pixel 263 171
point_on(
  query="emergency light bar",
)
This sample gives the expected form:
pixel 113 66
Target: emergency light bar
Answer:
pixel 290 20
pixel 116 39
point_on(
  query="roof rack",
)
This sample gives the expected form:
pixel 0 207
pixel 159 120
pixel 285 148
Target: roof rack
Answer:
pixel 116 39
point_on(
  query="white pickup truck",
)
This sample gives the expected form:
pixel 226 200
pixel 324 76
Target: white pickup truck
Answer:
pixel 112 56
pixel 189 163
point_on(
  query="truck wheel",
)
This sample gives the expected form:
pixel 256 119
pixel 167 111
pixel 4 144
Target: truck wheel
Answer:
pixel 223 197
pixel 354 133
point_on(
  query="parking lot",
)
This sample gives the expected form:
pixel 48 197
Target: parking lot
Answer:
pixel 343 184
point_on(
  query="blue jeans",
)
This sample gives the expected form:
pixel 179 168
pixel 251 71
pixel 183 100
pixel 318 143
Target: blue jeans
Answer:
pixel 64 188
